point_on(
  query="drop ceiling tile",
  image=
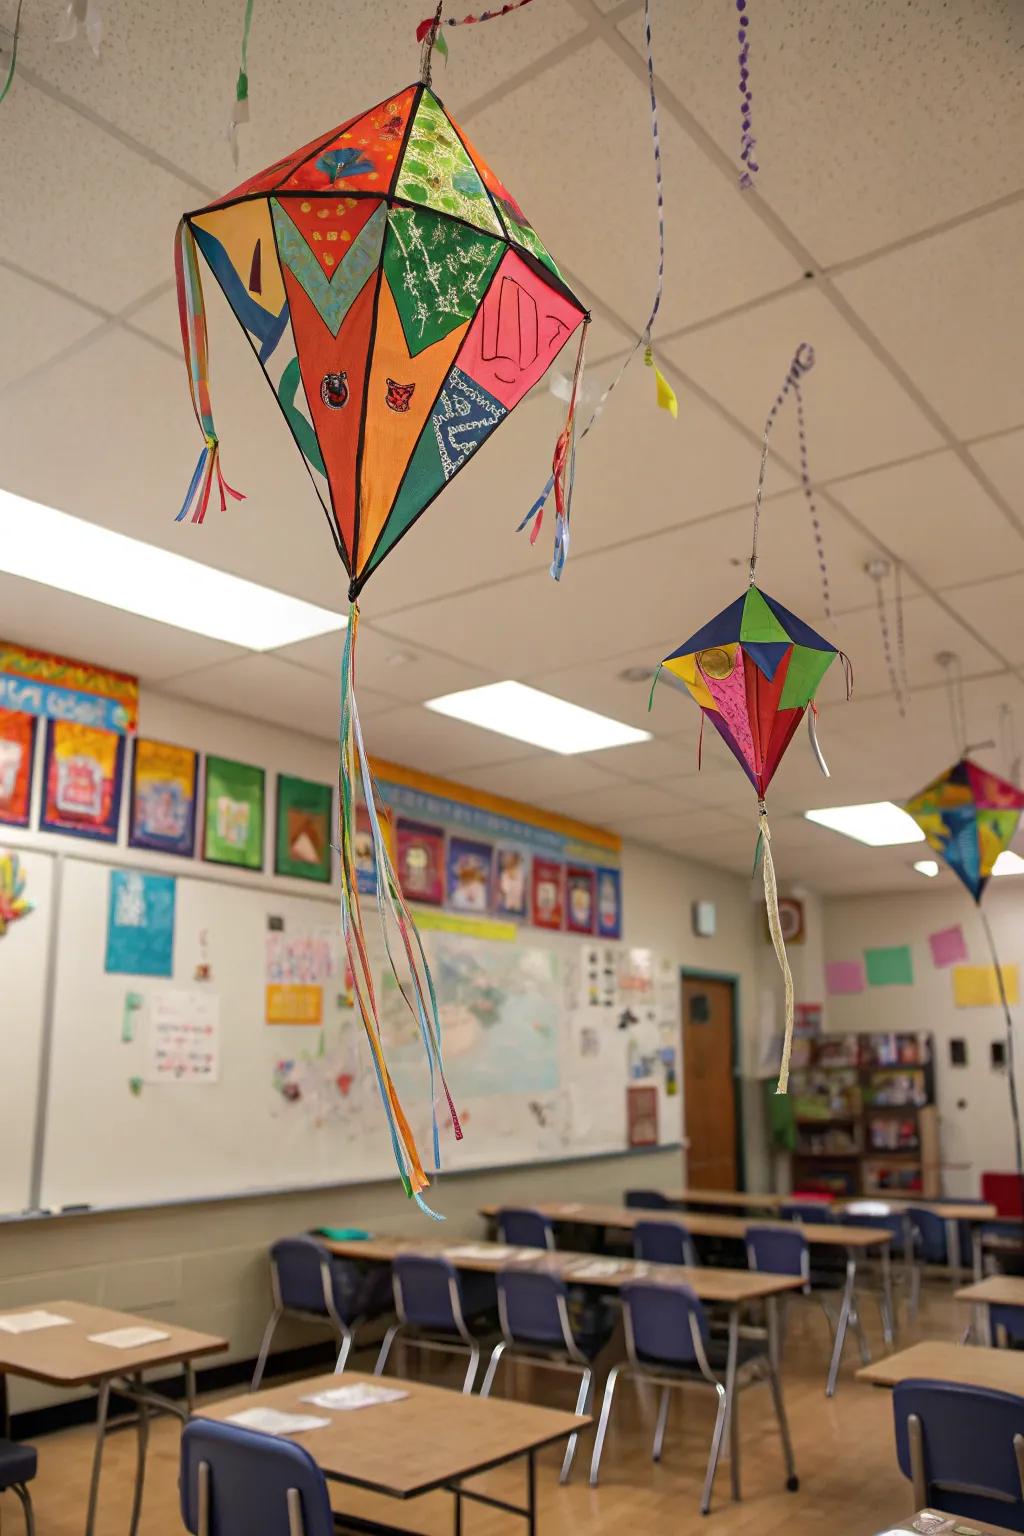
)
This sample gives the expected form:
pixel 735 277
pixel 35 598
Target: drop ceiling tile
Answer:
pixel 388 665
pixel 418 738
pixel 1002 459
pixel 857 415
pixel 933 513
pixel 970 372
pixel 994 608
pixel 647 762
pixel 602 224
pixel 49 620
pixel 692 825
pixel 548 780
pixel 37 325
pixel 928 629
pixel 872 121
pixel 278 692
pixel 619 806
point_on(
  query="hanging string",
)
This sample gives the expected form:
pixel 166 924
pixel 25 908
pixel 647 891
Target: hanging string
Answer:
pixel 82 16
pixel 426 33
pixel 878 570
pixel 951 666
pixel 665 394
pixel 747 140
pixel 1011 1070
pixel 14 52
pixel 430 27
pixel 1008 744
pixel 901 648
pixel 771 902
pixel 240 109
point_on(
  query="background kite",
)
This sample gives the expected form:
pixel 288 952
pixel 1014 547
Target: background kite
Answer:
pixel 14 904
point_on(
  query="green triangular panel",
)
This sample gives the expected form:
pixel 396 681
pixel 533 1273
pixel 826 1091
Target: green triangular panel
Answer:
pixel 437 173
pixel 524 236
pixel 438 271
pixel 1002 824
pixel 758 621
pixel 423 479
pixel 806 670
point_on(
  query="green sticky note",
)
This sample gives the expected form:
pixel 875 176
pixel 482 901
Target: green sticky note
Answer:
pixel 889 967
pixel 344 1234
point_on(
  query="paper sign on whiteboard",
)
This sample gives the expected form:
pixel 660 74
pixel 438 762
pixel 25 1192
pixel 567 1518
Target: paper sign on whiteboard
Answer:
pixel 184 1038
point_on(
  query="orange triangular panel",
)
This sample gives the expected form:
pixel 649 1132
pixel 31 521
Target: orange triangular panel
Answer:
pixel 267 179
pixel 329 224
pixel 363 156
pixel 401 392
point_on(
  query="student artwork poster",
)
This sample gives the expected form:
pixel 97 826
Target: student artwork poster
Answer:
pixel 548 887
pixel 17 747
pixel 302 847
pixel 609 904
pixel 163 798
pixel 511 881
pixel 579 899
pixel 233 826
pixel 469 874
pixel 81 781
pixel 421 862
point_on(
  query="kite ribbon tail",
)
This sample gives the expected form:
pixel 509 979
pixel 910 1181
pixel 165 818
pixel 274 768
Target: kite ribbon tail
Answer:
pixel 195 344
pixel 771 901
pixel 1010 1065
pixel 403 1142
pixel 563 467
pixel 812 731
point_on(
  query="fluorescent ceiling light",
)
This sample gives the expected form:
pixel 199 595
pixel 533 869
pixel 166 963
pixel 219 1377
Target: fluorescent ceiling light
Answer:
pixel 1008 863
pixel 929 867
pixel 526 714
pixel 879 824
pixel 41 544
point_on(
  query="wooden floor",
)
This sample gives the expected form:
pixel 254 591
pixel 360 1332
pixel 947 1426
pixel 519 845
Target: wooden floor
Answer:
pixel 844 1453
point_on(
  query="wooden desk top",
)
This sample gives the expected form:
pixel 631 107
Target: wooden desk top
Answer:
pixel 701 1224
pixel 723 1285
pixel 949 1210
pixel 938 1360
pixel 426 1440
pixel 1001 1290
pixel 938 1522
pixel 740 1199
pixel 63 1356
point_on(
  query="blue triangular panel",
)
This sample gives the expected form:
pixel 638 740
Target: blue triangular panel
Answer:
pixel 766 654
pixel 723 629
pixel 796 629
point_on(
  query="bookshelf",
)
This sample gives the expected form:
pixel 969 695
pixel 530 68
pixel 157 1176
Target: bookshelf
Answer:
pixel 865 1117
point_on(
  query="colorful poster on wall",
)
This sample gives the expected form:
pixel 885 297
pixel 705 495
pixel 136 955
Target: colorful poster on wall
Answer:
pixel 609 904
pixel 56 688
pixel 81 781
pixel 294 1004
pixel 365 854
pixel 421 861
pixel 580 885
pixel 233 825
pixel 163 798
pixel 469 874
pixel 302 847
pixel 17 748
pixel 642 1116
pixel 140 924
pixel 511 881
pixel 184 1038
pixel 548 899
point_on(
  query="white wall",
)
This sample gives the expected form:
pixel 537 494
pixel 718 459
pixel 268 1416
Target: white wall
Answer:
pixel 973 1101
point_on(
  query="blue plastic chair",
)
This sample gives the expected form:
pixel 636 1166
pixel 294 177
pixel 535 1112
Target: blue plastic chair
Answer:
pixel 1006 1325
pixel 17 1469
pixel 777 1250
pixel 235 1482
pixel 647 1200
pixel 876 1214
pixel 307 1282
pixel 963 1448
pixel 664 1242
pixel 435 1306
pixel 522 1227
pixel 669 1345
pixel 533 1307
pixel 806 1210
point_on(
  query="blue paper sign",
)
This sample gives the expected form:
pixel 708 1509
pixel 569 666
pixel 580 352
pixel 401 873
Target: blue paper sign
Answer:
pixel 140 924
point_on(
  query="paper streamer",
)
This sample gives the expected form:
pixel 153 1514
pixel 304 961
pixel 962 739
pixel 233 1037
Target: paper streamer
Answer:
pixel 747 140
pixel 240 109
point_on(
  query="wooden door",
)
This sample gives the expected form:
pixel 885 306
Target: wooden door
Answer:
pixel 709 1083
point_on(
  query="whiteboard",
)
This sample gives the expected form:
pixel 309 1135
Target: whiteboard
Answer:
pixel 23 956
pixel 523 1084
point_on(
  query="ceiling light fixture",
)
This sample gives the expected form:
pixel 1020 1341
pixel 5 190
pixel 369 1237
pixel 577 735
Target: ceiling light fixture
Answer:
pixel 635 675
pixel 38 543
pixel 1008 863
pixel 527 714
pixel 927 867
pixel 880 824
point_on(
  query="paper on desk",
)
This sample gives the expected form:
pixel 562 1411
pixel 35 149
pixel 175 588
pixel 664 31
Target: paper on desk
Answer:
pixel 478 1251
pixel 128 1338
pixel 597 1269
pixel 271 1422
pixel 29 1322
pixel 359 1395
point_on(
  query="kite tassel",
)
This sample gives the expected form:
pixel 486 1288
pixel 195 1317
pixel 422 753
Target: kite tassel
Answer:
pixel 848 674
pixel 771 901
pixel 666 395
pixel 195 345
pixel 812 731
pixel 563 467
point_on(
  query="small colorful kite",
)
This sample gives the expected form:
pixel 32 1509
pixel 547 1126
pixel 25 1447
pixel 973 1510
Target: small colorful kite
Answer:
pixel 13 902
pixel 401 305
pixel 970 816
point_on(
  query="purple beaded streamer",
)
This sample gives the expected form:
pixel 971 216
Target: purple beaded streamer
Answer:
pixel 747 140
pixel 803 362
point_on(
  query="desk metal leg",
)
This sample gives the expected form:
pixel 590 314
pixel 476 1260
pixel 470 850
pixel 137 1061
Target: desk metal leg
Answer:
pixel 140 1463
pixel 977 1254
pixel 909 1268
pixel 775 1381
pixel 844 1317
pixel 531 1493
pixel 5 1408
pixel 190 1387
pixel 102 1408
pixel 731 1404
pixel 888 1305
pixel 457 1527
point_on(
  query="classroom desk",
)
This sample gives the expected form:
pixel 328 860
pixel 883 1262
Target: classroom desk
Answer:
pixel 997 1290
pixel 64 1357
pixel 734 1199
pixel 935 1522
pixel 432 1439
pixel 855 1240
pixel 939 1360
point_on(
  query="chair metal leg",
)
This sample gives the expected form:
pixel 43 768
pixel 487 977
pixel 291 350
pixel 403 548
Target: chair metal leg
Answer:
pixel 582 1398
pixel 732 1402
pixel 140 1463
pixel 102 1408
pixel 190 1387
pixel 888 1306
pixel 261 1358
pixel 862 1338
pixel 915 1292
pixel 492 1368
pixel 840 1339
pixel 792 1481
pixel 26 1504
pixel 715 1451
pixel 659 1432
pixel 471 1368
pixel 385 1348
pixel 602 1424
pixel 343 1353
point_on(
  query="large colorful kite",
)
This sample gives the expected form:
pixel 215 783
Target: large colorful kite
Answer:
pixel 969 816
pixel 400 305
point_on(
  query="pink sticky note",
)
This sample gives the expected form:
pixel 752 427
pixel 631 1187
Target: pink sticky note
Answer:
pixel 842 976
pixel 948 946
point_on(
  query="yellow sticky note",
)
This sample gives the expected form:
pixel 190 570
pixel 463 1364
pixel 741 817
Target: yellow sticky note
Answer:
pixel 293 1004
pixel 977 986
